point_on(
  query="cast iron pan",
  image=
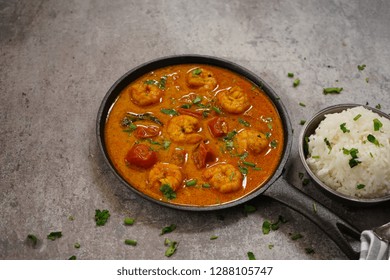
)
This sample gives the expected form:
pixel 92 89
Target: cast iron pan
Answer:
pixel 277 187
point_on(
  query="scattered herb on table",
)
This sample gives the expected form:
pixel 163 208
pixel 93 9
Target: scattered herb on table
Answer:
pixel 332 90
pixel 270 246
pixel 309 251
pixel 72 258
pixel 213 237
pixel 251 256
pixel 168 229
pixel 172 246
pixel 128 221
pixel 361 67
pixel 296 236
pixel 305 181
pixel 101 217
pixel 296 82
pixel 77 245
pixel 315 207
pixel 249 209
pixel 268 226
pixel 131 242
pixel 378 106
pixel 54 235
pixel 302 122
pixel 302 104
pixel 290 75
pixel 33 239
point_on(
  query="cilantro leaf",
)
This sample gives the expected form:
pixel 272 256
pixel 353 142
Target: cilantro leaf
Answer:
pixel 101 217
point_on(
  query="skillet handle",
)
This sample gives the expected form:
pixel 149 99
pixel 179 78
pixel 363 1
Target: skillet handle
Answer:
pixel 325 219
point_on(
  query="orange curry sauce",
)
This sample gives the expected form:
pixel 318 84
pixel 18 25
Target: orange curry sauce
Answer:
pixel 188 148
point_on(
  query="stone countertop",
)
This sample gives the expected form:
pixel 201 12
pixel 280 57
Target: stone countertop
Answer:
pixel 59 58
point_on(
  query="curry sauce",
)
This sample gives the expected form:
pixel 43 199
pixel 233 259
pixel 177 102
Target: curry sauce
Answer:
pixel 194 135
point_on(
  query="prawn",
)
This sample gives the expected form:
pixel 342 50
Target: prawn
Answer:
pixel 251 140
pixel 223 177
pixel 144 94
pixel 200 77
pixel 234 100
pixel 165 174
pixel 183 129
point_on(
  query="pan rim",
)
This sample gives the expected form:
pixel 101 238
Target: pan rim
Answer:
pixel 137 71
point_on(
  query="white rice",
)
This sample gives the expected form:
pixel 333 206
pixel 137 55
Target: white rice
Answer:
pixel 332 166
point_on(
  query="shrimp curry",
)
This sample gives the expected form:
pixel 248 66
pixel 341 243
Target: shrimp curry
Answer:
pixel 195 135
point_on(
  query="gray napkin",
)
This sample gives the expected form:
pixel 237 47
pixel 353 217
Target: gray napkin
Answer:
pixel 372 248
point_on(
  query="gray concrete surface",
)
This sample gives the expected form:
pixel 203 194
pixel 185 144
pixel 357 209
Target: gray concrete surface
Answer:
pixel 59 58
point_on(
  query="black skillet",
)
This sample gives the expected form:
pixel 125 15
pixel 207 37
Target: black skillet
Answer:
pixel 276 187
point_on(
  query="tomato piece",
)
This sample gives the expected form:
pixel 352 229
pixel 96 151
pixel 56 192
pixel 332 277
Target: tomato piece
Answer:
pixel 201 155
pixel 218 126
pixel 142 156
pixel 178 157
pixel 142 132
pixel 188 112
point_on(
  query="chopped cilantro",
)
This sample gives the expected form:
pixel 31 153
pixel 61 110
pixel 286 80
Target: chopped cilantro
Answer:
pixel 128 221
pixel 213 237
pixel 302 104
pixel 332 90
pixel 168 229
pixel 172 246
pixel 197 100
pixel 33 239
pixel 196 72
pixel 274 144
pixel 270 246
pixel 357 117
pixel 130 242
pixel 378 106
pixel 290 75
pixel 168 192
pixel 217 110
pixel 171 112
pixel 54 235
pixel 243 170
pixel 360 186
pixel 371 138
pixel 268 226
pixel 191 183
pixel 302 122
pixel 361 67
pixel 77 245
pixel 186 106
pixel 206 185
pixel 343 128
pixel 296 236
pixel 377 124
pixel 101 217
pixel 72 258
pixel 309 251
pixel 296 82
pixel 249 209
pixel 328 144
pixel 243 122
pixel 305 181
pixel 251 256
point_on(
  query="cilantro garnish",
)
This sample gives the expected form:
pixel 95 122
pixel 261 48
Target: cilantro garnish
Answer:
pixel 371 138
pixel 101 217
pixel 243 122
pixel 296 236
pixel 172 246
pixel 196 72
pixel 377 124
pixel 54 235
pixel 33 239
pixel 251 256
pixel 332 90
pixel 360 186
pixel 167 191
pixel 131 242
pixel 168 229
pixel 296 82
pixel 343 128
pixel 361 67
pixel 353 153
pixel 128 221
pixel 171 112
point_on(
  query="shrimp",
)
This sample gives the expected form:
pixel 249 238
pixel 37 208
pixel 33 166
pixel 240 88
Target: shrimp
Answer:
pixel 200 77
pixel 223 177
pixel 251 140
pixel 183 129
pixel 234 100
pixel 165 174
pixel 144 94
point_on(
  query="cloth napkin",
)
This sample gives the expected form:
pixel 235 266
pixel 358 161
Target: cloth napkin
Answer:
pixel 372 248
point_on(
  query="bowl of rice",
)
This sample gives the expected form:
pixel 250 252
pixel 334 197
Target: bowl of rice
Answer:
pixel 345 149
